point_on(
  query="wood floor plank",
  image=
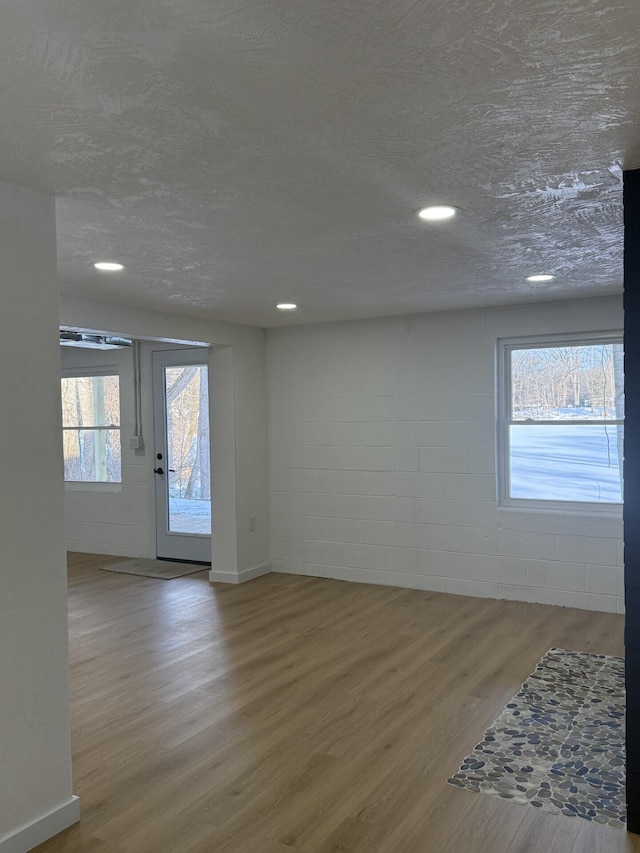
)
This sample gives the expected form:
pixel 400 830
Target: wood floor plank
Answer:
pixel 300 714
pixel 603 839
pixel 559 835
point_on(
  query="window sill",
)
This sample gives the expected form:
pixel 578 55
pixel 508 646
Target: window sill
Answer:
pixel 613 511
pixel 76 486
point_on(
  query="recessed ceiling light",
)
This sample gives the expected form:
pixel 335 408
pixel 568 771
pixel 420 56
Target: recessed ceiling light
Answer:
pixel 108 266
pixel 437 213
pixel 286 306
pixel 541 277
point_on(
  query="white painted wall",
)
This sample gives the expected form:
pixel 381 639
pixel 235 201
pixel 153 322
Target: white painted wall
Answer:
pixel 108 518
pixel 123 523
pixel 382 461
pixel 35 756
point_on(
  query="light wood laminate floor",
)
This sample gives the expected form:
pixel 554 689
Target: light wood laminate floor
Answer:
pixel 298 714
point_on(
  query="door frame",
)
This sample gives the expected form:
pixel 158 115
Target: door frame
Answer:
pixel 178 547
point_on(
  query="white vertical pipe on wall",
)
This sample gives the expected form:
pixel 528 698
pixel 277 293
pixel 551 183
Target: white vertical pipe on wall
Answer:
pixel 138 440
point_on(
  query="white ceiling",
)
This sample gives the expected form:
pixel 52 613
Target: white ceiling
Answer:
pixel 235 153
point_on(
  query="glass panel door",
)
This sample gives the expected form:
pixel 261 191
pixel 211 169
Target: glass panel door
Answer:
pixel 182 462
pixel 186 392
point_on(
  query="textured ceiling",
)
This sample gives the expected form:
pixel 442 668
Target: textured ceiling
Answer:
pixel 234 153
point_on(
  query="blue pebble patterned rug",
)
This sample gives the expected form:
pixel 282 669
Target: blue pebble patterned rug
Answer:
pixel 559 745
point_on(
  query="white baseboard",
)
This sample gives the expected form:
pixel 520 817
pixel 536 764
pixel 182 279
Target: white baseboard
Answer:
pixel 223 577
pixel 239 577
pixel 28 837
pixel 455 586
pixel 255 572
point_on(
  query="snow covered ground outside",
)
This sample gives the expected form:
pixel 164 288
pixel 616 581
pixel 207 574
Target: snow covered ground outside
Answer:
pixel 565 463
pixel 187 516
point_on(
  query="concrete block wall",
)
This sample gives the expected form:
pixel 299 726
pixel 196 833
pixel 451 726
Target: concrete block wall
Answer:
pixel 383 463
pixel 102 518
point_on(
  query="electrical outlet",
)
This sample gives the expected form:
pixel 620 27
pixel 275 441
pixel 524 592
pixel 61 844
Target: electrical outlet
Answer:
pixel 252 524
pixel 135 442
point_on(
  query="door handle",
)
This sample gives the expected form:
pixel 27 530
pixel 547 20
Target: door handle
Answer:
pixel 158 470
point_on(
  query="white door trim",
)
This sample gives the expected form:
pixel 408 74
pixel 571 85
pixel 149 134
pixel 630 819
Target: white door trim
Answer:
pixel 173 545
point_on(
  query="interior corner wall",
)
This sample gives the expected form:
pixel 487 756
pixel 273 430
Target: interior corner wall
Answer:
pixel 238 369
pixel 252 460
pixel 35 760
pixel 383 460
pixel 224 553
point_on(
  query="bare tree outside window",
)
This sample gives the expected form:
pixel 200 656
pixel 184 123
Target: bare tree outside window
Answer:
pixel 187 430
pixel 91 429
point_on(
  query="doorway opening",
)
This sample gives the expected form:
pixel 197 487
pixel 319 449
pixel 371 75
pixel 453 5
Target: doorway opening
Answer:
pixel 182 455
pixel 160 505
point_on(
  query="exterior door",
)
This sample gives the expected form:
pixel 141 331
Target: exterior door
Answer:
pixel 182 462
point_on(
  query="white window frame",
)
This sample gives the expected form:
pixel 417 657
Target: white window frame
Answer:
pixel 505 347
pixel 80 373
